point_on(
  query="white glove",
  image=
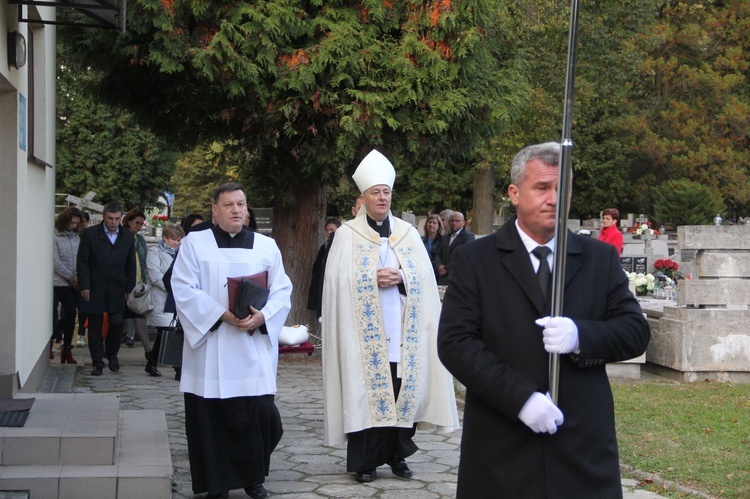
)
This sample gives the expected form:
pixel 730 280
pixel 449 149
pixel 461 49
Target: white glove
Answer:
pixel 560 334
pixel 540 414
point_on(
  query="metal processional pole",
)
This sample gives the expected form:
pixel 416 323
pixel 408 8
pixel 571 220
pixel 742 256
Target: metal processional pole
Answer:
pixel 563 195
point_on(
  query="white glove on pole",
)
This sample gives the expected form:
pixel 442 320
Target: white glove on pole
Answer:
pixel 540 414
pixel 560 334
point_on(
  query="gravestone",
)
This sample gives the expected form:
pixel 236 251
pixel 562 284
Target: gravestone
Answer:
pixel 640 265
pixel 627 263
pixel 707 335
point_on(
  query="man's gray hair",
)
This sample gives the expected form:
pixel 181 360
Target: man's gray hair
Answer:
pixel 548 153
pixel 112 207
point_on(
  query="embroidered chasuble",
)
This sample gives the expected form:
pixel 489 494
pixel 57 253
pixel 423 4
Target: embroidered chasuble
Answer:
pixel 358 320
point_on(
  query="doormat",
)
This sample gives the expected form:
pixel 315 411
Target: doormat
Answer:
pixel 13 412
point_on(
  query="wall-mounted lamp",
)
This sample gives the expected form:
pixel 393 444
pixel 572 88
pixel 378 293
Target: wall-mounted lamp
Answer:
pixel 16 50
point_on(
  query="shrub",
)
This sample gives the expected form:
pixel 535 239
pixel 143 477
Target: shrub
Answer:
pixel 684 202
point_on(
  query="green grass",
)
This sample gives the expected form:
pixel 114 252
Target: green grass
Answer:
pixel 694 434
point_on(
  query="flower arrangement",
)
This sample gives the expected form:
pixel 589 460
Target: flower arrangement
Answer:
pixel 670 268
pixel 667 266
pixel 643 228
pixel 643 282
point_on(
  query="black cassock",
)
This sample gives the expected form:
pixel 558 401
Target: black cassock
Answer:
pixel 230 441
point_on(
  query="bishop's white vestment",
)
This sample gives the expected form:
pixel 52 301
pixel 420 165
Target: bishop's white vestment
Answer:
pixel 357 381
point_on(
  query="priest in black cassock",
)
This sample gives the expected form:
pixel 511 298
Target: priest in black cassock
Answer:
pixel 229 364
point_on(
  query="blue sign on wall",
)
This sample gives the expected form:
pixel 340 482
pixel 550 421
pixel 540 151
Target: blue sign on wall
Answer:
pixel 22 122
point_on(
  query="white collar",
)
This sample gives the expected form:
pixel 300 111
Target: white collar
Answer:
pixel 530 243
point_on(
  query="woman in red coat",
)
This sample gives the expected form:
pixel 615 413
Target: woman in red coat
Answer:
pixel 610 232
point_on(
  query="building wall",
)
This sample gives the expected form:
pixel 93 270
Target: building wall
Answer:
pixel 27 182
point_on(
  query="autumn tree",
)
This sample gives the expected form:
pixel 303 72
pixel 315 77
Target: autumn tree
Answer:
pixel 695 110
pixel 308 88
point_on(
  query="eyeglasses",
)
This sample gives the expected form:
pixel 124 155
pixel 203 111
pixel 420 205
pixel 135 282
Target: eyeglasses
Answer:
pixel 455 221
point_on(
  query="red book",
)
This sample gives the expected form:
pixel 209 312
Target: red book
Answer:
pixel 253 293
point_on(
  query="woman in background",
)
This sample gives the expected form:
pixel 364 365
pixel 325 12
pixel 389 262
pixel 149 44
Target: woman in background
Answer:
pixel 191 220
pixel 133 221
pixel 433 229
pixel 65 281
pixel 433 232
pixel 158 261
pixel 610 232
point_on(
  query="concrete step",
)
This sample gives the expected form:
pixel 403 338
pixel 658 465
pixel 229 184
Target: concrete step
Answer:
pixel 139 465
pixel 64 429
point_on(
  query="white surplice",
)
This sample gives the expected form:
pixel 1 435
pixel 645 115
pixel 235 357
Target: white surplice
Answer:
pixel 227 362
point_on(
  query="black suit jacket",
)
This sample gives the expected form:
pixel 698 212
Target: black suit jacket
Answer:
pixel 444 253
pixel 488 340
pixel 107 270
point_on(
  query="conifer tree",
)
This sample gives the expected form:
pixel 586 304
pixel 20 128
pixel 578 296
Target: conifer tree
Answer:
pixel 308 88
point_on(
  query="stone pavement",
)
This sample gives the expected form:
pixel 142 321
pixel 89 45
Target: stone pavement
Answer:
pixel 301 467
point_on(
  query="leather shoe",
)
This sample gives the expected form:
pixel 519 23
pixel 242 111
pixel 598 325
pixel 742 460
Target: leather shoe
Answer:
pixel 256 491
pixel 114 364
pixel 152 370
pixel 366 476
pixel 96 371
pixel 401 469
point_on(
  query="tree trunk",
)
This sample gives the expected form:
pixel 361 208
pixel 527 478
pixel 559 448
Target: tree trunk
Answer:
pixel 298 231
pixel 484 201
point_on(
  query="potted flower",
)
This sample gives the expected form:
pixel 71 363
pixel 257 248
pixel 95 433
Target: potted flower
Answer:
pixel 670 268
pixel 667 266
pixel 159 220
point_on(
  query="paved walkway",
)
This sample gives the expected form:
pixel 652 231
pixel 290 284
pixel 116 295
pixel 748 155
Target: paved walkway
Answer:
pixel 302 467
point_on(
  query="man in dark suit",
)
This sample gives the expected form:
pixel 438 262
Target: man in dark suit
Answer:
pixel 495 336
pixel 106 275
pixel 457 236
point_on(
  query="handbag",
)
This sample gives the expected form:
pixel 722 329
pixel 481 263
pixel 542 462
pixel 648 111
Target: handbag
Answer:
pixel 141 300
pixel 170 350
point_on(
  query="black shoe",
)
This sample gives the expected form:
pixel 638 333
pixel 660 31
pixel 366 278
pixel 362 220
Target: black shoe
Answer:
pixel 401 469
pixel 152 370
pixel 178 375
pixel 366 476
pixel 129 342
pixel 96 371
pixel 114 364
pixel 256 491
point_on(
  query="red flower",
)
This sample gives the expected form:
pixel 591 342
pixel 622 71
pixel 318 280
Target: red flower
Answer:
pixel 665 265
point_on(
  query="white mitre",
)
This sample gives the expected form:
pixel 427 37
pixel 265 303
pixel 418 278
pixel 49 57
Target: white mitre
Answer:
pixel 375 169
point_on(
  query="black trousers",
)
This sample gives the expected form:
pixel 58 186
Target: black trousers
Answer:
pixel 373 447
pixel 64 325
pixel 99 348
